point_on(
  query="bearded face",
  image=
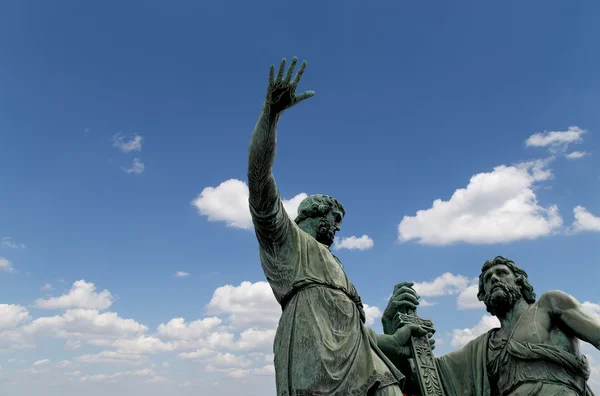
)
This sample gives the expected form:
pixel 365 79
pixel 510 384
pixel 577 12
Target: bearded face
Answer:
pixel 502 298
pixel 501 290
pixel 327 226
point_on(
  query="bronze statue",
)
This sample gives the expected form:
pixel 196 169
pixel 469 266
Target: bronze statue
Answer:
pixel 322 346
pixel 534 352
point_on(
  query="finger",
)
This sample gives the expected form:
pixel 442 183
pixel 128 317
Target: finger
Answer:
pixel 304 96
pixel 402 306
pixel 407 297
pixel 280 71
pixel 406 289
pixel 300 73
pixel 290 71
pixel 417 330
pixel 399 285
pixel 272 75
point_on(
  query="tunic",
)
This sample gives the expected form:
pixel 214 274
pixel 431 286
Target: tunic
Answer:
pixel 321 345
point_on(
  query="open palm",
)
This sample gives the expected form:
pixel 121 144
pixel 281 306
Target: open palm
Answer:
pixel 281 92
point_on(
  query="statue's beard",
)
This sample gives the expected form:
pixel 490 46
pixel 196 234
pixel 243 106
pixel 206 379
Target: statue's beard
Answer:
pixel 499 303
pixel 325 232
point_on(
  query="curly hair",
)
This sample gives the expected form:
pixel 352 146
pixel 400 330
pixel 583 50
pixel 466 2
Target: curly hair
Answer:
pixel 520 278
pixel 317 205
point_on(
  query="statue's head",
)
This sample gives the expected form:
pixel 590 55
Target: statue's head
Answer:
pixel 502 284
pixel 321 216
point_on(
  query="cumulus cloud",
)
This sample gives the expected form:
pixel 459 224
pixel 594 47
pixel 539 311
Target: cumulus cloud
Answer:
pixel 82 295
pixel 136 168
pixel 461 337
pixel 467 299
pixel 181 274
pixel 372 314
pixel 576 155
pixel 495 207
pixel 12 315
pixel 249 305
pixel 6 265
pixel 353 243
pixel 105 377
pixel 444 285
pixel 584 221
pixel 133 144
pixel 556 141
pixel 228 202
pixel 178 329
pixel 84 324
pixel 592 308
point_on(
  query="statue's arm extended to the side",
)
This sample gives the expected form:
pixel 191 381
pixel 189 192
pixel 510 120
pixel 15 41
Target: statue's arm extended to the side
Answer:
pixel 570 313
pixel 268 214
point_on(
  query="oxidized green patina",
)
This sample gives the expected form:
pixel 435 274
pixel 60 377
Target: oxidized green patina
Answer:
pixel 322 346
pixel 534 352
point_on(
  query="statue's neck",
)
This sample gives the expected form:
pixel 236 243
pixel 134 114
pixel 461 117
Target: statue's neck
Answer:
pixel 511 317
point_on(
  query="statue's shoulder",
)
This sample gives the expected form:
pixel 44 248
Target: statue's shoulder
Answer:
pixel 556 300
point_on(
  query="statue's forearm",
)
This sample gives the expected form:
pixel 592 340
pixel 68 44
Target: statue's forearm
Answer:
pixel 390 348
pixel 261 156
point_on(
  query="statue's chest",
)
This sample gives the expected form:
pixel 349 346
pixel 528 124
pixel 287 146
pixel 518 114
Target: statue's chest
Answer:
pixel 534 327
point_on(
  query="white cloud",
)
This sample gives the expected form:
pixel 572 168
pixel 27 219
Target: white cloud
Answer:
pixel 82 295
pixel 461 337
pixel 6 265
pixel 556 141
pixel 353 243
pixel 228 202
pixel 111 357
pixel 495 207
pixel 592 308
pixel 86 324
pixel 426 303
pixel 444 285
pixel 165 364
pixel 576 155
pixel 467 299
pixel 12 315
pixel 104 377
pixel 47 286
pixel 584 221
pixel 41 362
pixel 197 354
pixel 249 305
pixel 177 329
pixel 372 314
pixel 256 339
pixel 8 243
pixel 133 144
pixel 181 274
pixel 136 168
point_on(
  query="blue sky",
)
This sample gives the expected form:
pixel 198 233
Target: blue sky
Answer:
pixel 414 101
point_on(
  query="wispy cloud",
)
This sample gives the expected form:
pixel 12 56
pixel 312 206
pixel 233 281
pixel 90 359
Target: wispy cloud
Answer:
pixel 576 155
pixel 8 243
pixel 181 274
pixel 556 141
pixel 133 144
pixel 136 168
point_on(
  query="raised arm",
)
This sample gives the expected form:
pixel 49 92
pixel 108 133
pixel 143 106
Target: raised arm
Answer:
pixel 268 213
pixel 571 314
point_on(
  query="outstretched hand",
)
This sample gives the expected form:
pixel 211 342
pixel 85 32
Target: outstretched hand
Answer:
pixel 281 92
